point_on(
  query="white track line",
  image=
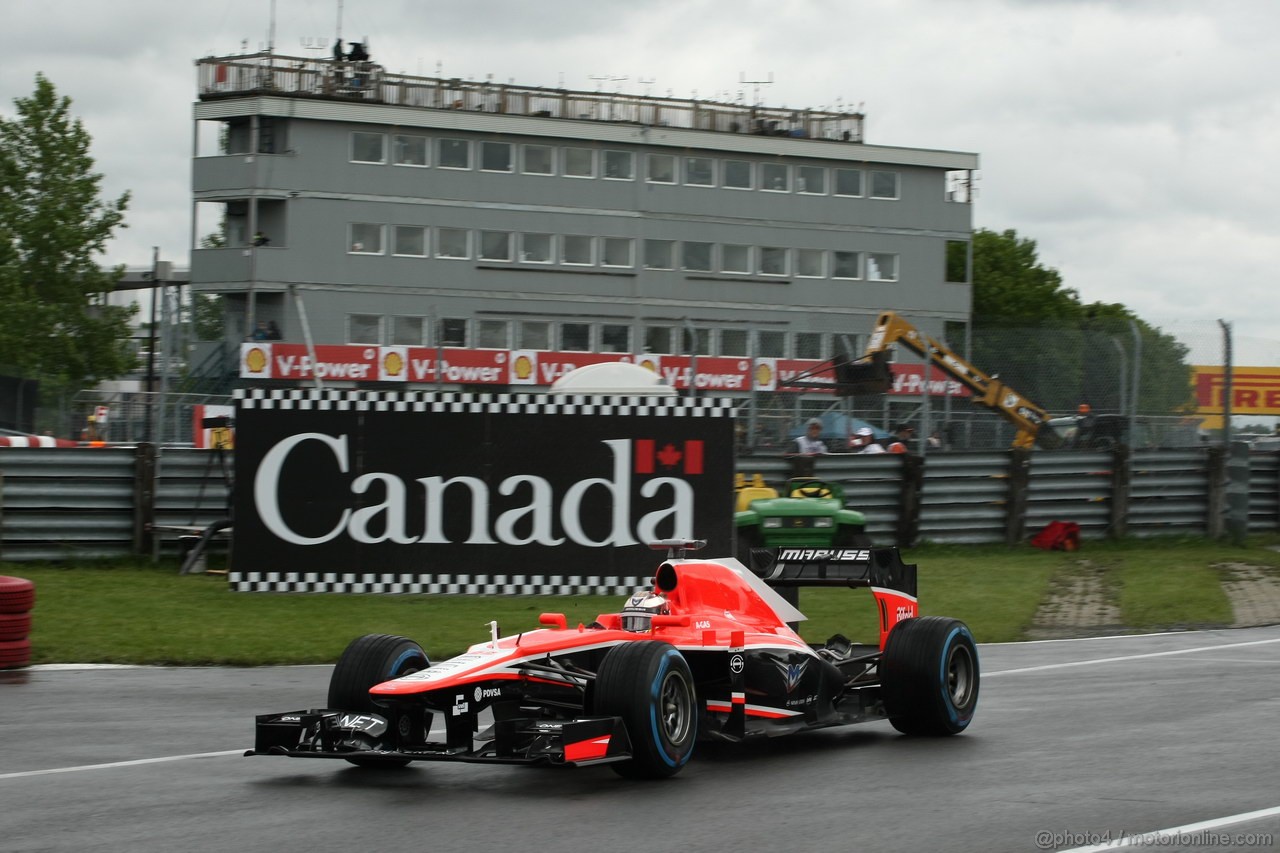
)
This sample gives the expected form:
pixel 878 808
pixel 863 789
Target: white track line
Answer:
pixel 1050 666
pixel 133 763
pixel 1163 836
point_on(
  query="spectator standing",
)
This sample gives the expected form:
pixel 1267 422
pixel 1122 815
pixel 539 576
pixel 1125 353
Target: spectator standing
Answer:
pixel 810 444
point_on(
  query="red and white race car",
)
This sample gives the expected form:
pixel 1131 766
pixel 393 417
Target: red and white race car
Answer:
pixel 708 652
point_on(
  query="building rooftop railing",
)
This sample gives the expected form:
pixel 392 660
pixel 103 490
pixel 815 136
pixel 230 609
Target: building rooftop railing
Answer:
pixel 368 82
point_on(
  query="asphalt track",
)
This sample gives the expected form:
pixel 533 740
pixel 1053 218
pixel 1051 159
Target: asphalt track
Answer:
pixel 1076 744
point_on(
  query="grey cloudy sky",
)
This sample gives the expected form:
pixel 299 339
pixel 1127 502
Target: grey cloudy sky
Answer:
pixel 1131 139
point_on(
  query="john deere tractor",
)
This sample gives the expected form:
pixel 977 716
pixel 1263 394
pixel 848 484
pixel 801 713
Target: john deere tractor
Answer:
pixel 808 512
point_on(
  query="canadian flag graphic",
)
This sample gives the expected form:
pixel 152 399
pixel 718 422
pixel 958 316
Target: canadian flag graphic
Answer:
pixel 652 455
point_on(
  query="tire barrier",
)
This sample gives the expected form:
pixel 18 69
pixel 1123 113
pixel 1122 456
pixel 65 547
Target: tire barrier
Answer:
pixel 17 597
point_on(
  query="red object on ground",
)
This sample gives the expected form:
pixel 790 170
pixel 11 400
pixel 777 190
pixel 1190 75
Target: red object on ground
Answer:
pixel 1058 536
pixel 14 653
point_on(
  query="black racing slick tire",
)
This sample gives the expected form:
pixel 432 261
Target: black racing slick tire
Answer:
pixel 368 661
pixel 649 685
pixel 929 676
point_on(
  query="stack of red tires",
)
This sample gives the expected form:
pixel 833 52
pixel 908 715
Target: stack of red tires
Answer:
pixel 17 597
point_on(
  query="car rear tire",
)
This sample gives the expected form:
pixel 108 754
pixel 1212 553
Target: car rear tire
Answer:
pixel 649 685
pixel 929 676
pixel 368 661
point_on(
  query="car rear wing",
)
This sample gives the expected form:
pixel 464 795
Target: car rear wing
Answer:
pixel 891 581
pixel 851 567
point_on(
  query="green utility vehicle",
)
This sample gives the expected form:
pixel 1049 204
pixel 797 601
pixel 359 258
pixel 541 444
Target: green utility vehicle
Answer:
pixel 809 512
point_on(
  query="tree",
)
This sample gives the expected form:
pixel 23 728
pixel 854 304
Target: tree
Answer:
pixel 55 325
pixel 1025 322
pixel 1037 335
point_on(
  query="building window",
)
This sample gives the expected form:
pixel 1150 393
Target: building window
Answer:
pixel 617 251
pixel 810 263
pixel 537 160
pixel 368 147
pixel 773 261
pixel 884 184
pixel 809 344
pixel 882 266
pixel 364 329
pixel 495 245
pixel 579 163
pixel 771 344
pixel 453 243
pixel 659 254
pixel 453 154
pixel 775 177
pixel 407 331
pixel 577 250
pixel 615 338
pixel 535 334
pixel 737 174
pixel 848 182
pixel 619 165
pixel 366 238
pixel 535 248
pixel 733 342
pixel 696 257
pixel 453 332
pixel 410 150
pixel 410 240
pixel 493 334
pixel 735 259
pixel 845 264
pixel 660 169
pixel 699 171
pixel 657 339
pixel 957 262
pixel 495 157
pixel 575 337
pixel 811 180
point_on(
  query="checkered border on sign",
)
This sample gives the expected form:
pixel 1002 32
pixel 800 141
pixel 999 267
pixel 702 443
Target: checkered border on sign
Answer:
pixel 309 399
pixel 350 582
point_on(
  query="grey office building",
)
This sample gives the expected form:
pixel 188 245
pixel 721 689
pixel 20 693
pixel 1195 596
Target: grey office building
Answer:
pixel 352 206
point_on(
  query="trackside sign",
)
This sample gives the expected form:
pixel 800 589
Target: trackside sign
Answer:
pixel 369 483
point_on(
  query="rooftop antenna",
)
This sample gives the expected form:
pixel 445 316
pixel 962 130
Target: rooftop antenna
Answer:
pixel 742 78
pixel 314 43
pixel 641 81
pixel 271 30
pixel 601 78
pixel 339 30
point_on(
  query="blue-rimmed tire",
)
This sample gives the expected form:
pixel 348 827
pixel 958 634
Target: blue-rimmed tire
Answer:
pixel 367 661
pixel 929 676
pixel 648 684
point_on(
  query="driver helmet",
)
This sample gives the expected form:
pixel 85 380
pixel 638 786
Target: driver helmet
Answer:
pixel 640 609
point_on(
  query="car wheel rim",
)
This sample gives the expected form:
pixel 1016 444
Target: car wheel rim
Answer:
pixel 960 672
pixel 675 708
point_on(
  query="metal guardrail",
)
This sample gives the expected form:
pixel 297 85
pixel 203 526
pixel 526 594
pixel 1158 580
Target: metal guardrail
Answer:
pixel 89 503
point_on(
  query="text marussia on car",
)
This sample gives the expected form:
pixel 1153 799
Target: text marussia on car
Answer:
pixel 706 653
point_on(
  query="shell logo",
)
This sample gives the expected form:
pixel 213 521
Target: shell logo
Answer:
pixel 523 367
pixel 256 360
pixel 649 364
pixel 393 364
pixel 764 375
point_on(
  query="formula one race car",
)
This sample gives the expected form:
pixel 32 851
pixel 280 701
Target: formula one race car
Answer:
pixel 705 653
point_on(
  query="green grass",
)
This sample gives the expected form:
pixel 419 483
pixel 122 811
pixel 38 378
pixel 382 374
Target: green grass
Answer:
pixel 140 613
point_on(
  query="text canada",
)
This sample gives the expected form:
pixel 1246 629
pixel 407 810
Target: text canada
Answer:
pixel 531 512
